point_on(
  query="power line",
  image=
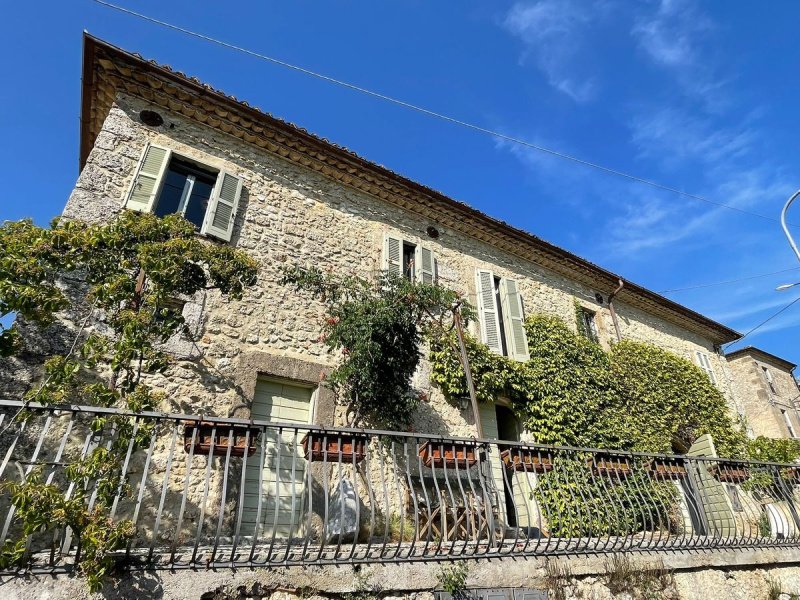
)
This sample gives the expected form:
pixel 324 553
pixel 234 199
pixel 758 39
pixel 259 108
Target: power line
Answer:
pixel 765 321
pixel 705 285
pixel 432 113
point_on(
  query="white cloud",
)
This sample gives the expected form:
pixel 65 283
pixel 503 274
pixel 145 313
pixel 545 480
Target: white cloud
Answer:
pixel 673 37
pixel 672 136
pixel 551 31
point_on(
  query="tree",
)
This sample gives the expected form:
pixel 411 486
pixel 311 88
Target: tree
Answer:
pixel 125 272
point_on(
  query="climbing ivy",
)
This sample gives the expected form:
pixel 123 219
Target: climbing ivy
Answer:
pixel 665 402
pixel 119 277
pixel 571 392
pixel 781 450
pixel 576 503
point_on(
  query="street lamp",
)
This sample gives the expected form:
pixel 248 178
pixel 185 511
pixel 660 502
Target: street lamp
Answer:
pixel 785 227
pixel 789 237
pixel 785 286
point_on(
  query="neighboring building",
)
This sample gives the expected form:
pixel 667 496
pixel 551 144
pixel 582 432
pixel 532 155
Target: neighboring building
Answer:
pixel 765 388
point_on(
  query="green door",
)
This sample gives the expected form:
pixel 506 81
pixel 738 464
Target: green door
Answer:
pixel 283 478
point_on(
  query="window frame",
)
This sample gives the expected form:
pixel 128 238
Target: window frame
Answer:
pixel 588 324
pixel 146 170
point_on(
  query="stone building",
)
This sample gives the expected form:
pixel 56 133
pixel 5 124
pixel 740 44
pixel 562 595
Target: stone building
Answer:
pixel 152 139
pixel 767 391
pixel 149 134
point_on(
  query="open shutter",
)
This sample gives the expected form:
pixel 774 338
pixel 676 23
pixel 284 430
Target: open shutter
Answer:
pixel 222 207
pixel 144 189
pixel 514 320
pixel 487 310
pixel 393 254
pixel 426 265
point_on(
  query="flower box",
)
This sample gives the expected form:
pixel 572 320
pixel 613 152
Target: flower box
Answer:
pixel 334 447
pixel 729 472
pixel 217 437
pixel 791 475
pixel 610 465
pixel 449 454
pixel 525 459
pixel 666 468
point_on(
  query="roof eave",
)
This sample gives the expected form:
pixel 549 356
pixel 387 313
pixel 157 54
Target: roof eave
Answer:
pixel 717 332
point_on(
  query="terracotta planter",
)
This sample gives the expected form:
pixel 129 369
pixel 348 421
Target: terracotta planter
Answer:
pixel 334 447
pixel 791 475
pixel 666 468
pixel 449 454
pixel 524 459
pixel 217 440
pixel 610 465
pixel 730 472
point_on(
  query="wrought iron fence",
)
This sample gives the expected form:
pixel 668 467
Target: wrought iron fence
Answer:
pixel 213 492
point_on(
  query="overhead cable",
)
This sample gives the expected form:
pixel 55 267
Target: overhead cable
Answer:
pixel 432 113
pixel 705 285
pixel 765 321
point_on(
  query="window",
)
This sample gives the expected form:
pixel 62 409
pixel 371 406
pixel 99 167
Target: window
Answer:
pixel 705 363
pixel 587 324
pixel 501 315
pixel 769 380
pixel 166 183
pixel 413 261
pixel 788 422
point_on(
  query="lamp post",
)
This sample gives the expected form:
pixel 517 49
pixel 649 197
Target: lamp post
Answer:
pixel 785 227
pixel 789 237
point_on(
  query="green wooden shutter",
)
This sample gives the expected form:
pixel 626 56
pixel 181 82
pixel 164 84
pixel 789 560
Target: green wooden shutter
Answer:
pixel 221 212
pixel 426 265
pixel 393 254
pixel 514 319
pixel 487 310
pixel 146 183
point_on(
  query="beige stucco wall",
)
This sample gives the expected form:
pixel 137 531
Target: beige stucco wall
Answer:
pixel 290 214
pixel 761 405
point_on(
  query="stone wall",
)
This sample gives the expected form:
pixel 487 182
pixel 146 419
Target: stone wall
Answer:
pixel 732 575
pixel 290 214
pixel 762 406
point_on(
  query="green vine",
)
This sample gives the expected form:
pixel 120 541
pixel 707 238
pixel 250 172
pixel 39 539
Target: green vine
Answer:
pixel 130 269
pixel 376 326
pixel 571 392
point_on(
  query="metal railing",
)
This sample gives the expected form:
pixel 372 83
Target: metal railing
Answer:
pixel 214 492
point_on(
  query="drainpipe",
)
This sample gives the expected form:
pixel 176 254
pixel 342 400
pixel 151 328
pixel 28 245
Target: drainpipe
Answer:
pixel 614 312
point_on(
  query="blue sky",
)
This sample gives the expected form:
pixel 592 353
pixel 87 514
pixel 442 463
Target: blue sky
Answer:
pixel 698 96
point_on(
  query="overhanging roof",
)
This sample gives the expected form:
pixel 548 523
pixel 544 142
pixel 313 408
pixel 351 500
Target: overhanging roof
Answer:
pixel 763 355
pixel 109 71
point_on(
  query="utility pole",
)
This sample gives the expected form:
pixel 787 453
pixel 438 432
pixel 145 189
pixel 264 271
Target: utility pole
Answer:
pixel 467 371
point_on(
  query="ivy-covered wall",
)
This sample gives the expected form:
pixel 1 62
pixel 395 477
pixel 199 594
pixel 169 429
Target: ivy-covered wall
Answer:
pixel 572 392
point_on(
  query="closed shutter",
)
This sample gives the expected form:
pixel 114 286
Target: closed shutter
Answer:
pixel 487 311
pixel 280 484
pixel 393 254
pixel 514 320
pixel 705 364
pixel 426 265
pixel 221 212
pixel 146 184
